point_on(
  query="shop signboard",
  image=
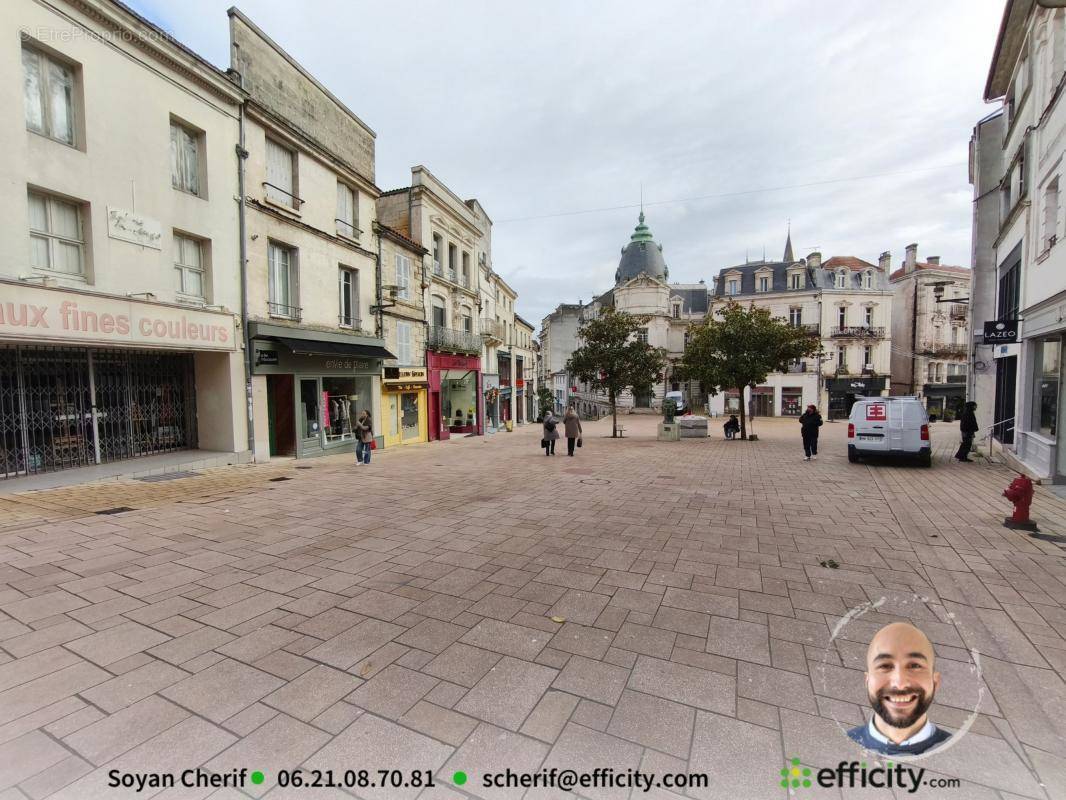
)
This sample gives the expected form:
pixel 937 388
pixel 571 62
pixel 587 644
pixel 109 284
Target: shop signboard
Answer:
pixel 1001 331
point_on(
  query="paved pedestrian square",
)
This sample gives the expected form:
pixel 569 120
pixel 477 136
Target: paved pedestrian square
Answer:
pixel 474 605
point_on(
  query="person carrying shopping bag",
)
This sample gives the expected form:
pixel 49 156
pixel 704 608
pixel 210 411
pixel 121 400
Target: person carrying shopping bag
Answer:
pixel 550 435
pixel 364 431
pixel 572 426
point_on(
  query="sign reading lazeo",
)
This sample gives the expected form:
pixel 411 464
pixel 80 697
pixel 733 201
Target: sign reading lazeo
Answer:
pixel 1001 331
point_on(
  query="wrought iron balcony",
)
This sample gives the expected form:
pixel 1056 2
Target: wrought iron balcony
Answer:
pixel 800 367
pixel 959 311
pixel 453 340
pixel 809 327
pixel 492 330
pixel 857 332
pixel 284 312
pixel 348 321
pixel 955 378
pixel 942 350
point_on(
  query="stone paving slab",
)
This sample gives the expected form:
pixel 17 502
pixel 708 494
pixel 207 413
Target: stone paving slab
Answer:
pixel 406 615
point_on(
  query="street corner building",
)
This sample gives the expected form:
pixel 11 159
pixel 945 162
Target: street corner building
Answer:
pixel 120 298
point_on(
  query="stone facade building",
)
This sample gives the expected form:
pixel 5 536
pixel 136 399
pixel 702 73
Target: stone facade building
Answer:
pixel 311 252
pixel 930 332
pixel 844 299
pixel 120 323
pixel 1029 274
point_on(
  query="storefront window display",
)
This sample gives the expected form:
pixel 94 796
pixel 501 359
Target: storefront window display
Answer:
pixel 791 402
pixel 343 399
pixel 459 400
pixel 1046 387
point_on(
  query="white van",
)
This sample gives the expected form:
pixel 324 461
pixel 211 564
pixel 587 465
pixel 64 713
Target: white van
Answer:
pixel 678 398
pixel 889 426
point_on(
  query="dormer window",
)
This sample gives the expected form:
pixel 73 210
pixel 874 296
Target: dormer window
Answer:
pixel 868 279
pixel 764 283
pixel 842 279
pixel 677 311
pixel 795 280
pixel 732 286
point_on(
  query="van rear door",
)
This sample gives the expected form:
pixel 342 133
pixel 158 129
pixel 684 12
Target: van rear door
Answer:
pixel 896 426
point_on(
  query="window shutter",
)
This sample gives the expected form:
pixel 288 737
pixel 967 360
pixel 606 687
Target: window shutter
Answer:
pixel 279 174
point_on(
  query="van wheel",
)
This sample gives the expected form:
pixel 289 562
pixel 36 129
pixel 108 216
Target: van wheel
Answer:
pixel 926 460
pixel 853 457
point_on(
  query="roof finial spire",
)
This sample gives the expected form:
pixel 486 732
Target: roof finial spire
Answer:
pixel 789 257
pixel 642 201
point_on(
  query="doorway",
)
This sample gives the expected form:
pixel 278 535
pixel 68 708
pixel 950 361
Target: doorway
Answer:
pixel 281 415
pixel 1006 376
pixel 763 405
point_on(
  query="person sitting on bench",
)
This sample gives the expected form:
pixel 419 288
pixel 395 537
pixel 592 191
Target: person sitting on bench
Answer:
pixel 731 427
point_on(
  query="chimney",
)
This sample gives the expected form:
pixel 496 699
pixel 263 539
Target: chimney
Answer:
pixel 884 262
pixel 814 260
pixel 934 260
pixel 912 257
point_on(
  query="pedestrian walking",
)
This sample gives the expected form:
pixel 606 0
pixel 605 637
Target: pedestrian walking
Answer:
pixel 572 426
pixel 810 422
pixel 968 429
pixel 364 432
pixel 550 435
pixel 731 427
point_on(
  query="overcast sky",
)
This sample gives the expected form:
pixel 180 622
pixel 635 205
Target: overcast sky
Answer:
pixel 553 114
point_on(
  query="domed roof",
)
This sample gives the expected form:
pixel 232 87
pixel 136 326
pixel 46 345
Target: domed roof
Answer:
pixel 642 254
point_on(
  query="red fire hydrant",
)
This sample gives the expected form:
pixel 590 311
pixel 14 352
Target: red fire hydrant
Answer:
pixel 1020 492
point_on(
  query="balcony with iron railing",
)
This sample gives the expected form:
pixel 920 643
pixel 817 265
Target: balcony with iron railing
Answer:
pixel 492 330
pixel 857 332
pixel 942 350
pixel 348 321
pixel 797 367
pixel 959 311
pixel 452 340
pixel 809 327
pixel 282 311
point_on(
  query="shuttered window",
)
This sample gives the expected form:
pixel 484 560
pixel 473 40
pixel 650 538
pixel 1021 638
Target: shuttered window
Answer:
pixel 281 187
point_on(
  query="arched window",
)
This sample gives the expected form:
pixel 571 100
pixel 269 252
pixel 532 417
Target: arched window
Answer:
pixel 869 279
pixel 842 279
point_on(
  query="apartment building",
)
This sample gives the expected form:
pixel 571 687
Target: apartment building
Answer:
pixel 119 326
pixel 1029 276
pixel 458 236
pixel 845 300
pixel 525 359
pixel 311 254
pixel 931 333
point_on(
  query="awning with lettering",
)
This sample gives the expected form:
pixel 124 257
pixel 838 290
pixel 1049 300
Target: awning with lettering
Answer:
pixel 320 348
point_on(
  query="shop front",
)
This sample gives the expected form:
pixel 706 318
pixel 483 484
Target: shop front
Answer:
pixel 844 391
pixel 520 401
pixel 791 401
pixel 404 403
pixel 490 385
pixel 90 379
pixel 455 395
pixel 944 401
pixel 314 389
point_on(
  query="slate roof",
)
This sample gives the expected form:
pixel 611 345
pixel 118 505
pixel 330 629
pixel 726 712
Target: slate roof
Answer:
pixel 642 254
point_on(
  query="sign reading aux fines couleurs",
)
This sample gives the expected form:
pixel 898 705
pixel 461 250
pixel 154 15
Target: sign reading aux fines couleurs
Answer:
pixel 29 312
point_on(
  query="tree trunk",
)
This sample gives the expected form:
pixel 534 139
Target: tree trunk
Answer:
pixel 614 416
pixel 743 416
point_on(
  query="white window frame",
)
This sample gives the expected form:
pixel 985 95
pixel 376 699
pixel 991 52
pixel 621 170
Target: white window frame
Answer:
pixel 347 219
pixel 764 283
pixel 795 280
pixel 438 254
pixel 54 240
pixel 183 268
pixel 275 184
pixel 868 316
pixel 869 279
pixel 867 356
pixel 842 316
pixel 291 284
pixel 1051 214
pixel 185 161
pixel 348 293
pixel 795 316
pixel 45 77
pixel 842 280
pixel 642 335
pixel 403 277
pixel 732 287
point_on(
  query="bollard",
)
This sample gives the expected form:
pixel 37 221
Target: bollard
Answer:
pixel 1020 492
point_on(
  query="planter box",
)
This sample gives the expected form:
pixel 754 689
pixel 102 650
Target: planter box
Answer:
pixel 693 427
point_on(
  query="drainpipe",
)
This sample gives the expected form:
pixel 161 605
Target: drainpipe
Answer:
pixel 380 324
pixel 242 155
pixel 914 340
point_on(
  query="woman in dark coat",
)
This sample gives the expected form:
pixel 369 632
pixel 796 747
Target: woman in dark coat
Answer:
pixel 810 422
pixel 364 432
pixel 572 425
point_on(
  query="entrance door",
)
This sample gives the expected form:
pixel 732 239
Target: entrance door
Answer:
pixel 281 415
pixel 1006 377
pixel 436 429
pixel 764 405
pixel 642 400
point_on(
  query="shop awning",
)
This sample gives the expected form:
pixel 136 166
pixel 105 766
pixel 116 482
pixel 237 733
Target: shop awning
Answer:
pixel 320 348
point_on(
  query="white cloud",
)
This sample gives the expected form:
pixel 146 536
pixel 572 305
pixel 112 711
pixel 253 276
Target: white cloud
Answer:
pixel 552 107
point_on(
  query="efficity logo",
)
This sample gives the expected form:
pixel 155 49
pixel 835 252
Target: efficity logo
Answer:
pixel 855 774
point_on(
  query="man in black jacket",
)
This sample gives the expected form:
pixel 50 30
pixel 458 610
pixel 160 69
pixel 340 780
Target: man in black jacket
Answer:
pixel 968 428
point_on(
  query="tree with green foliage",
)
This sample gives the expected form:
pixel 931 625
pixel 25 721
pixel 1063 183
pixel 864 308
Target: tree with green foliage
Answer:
pixel 545 399
pixel 737 347
pixel 612 358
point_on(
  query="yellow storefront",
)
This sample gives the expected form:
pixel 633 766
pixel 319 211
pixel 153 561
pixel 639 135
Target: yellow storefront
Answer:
pixel 404 405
